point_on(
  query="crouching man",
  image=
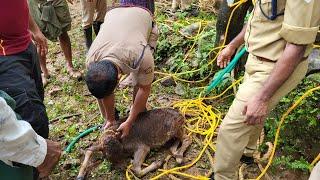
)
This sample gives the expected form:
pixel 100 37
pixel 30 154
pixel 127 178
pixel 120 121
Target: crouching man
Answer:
pixel 124 45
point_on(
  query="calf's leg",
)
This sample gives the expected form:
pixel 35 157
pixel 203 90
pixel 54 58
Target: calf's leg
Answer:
pixel 86 161
pixel 186 141
pixel 174 147
pixel 139 157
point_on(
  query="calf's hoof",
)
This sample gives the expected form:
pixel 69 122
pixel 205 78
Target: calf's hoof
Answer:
pixel 179 158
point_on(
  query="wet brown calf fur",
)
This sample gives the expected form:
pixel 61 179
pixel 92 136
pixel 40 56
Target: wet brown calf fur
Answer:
pixel 152 129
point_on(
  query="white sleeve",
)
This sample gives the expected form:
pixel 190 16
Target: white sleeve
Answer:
pixel 18 141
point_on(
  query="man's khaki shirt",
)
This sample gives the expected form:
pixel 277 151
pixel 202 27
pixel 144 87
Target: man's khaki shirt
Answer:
pixel 298 25
pixel 121 40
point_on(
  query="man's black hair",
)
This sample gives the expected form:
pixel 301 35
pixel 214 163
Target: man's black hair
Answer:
pixel 101 78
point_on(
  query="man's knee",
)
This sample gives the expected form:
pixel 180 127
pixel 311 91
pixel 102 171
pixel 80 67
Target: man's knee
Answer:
pixel 31 109
pixel 35 113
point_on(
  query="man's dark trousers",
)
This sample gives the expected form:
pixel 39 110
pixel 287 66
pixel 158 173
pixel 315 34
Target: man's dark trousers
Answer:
pixel 20 77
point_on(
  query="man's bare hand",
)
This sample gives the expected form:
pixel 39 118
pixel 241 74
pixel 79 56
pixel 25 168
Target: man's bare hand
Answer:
pixel 108 124
pixel 125 128
pixel 41 43
pixel 51 159
pixel 225 56
pixel 255 111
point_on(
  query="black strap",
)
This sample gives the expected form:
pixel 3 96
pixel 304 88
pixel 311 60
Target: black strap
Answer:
pixel 138 61
pixel 274 10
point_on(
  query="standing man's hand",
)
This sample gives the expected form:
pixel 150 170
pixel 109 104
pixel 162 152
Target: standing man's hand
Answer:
pixel 225 56
pixel 255 111
pixel 38 37
pixel 51 159
pixel 227 53
pixel 41 43
pixel 125 128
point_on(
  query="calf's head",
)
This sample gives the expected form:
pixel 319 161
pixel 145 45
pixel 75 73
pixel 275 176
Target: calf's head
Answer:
pixel 111 145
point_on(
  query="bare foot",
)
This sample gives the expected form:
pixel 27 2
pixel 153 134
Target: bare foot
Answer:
pixel 74 73
pixel 45 80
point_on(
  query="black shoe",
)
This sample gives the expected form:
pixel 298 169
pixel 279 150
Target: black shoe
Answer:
pixel 247 160
pixel 96 27
pixel 88 36
pixel 212 176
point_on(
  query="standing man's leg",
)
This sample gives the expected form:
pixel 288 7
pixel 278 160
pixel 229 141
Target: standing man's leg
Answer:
pixel 63 15
pixel 234 135
pixel 87 20
pixel 101 9
pixel 65 45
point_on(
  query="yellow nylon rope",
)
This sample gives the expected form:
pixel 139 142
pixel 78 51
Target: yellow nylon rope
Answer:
pixel 314 162
pixel 296 103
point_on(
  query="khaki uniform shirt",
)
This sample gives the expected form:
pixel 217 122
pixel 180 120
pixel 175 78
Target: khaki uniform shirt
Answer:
pixel 299 25
pixel 121 40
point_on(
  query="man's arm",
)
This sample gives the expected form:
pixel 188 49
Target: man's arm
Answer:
pixel 298 31
pixel 38 37
pixel 292 56
pixel 153 38
pixel 256 109
pixel 139 104
pixel 226 54
pixel 107 110
pixel 239 39
pixel 19 143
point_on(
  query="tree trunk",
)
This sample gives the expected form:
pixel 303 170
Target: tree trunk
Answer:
pixel 236 23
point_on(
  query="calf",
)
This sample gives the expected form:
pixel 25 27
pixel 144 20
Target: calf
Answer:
pixel 152 129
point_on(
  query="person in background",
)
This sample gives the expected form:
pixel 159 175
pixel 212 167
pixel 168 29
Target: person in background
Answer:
pixel 148 4
pixel 93 12
pixel 53 18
